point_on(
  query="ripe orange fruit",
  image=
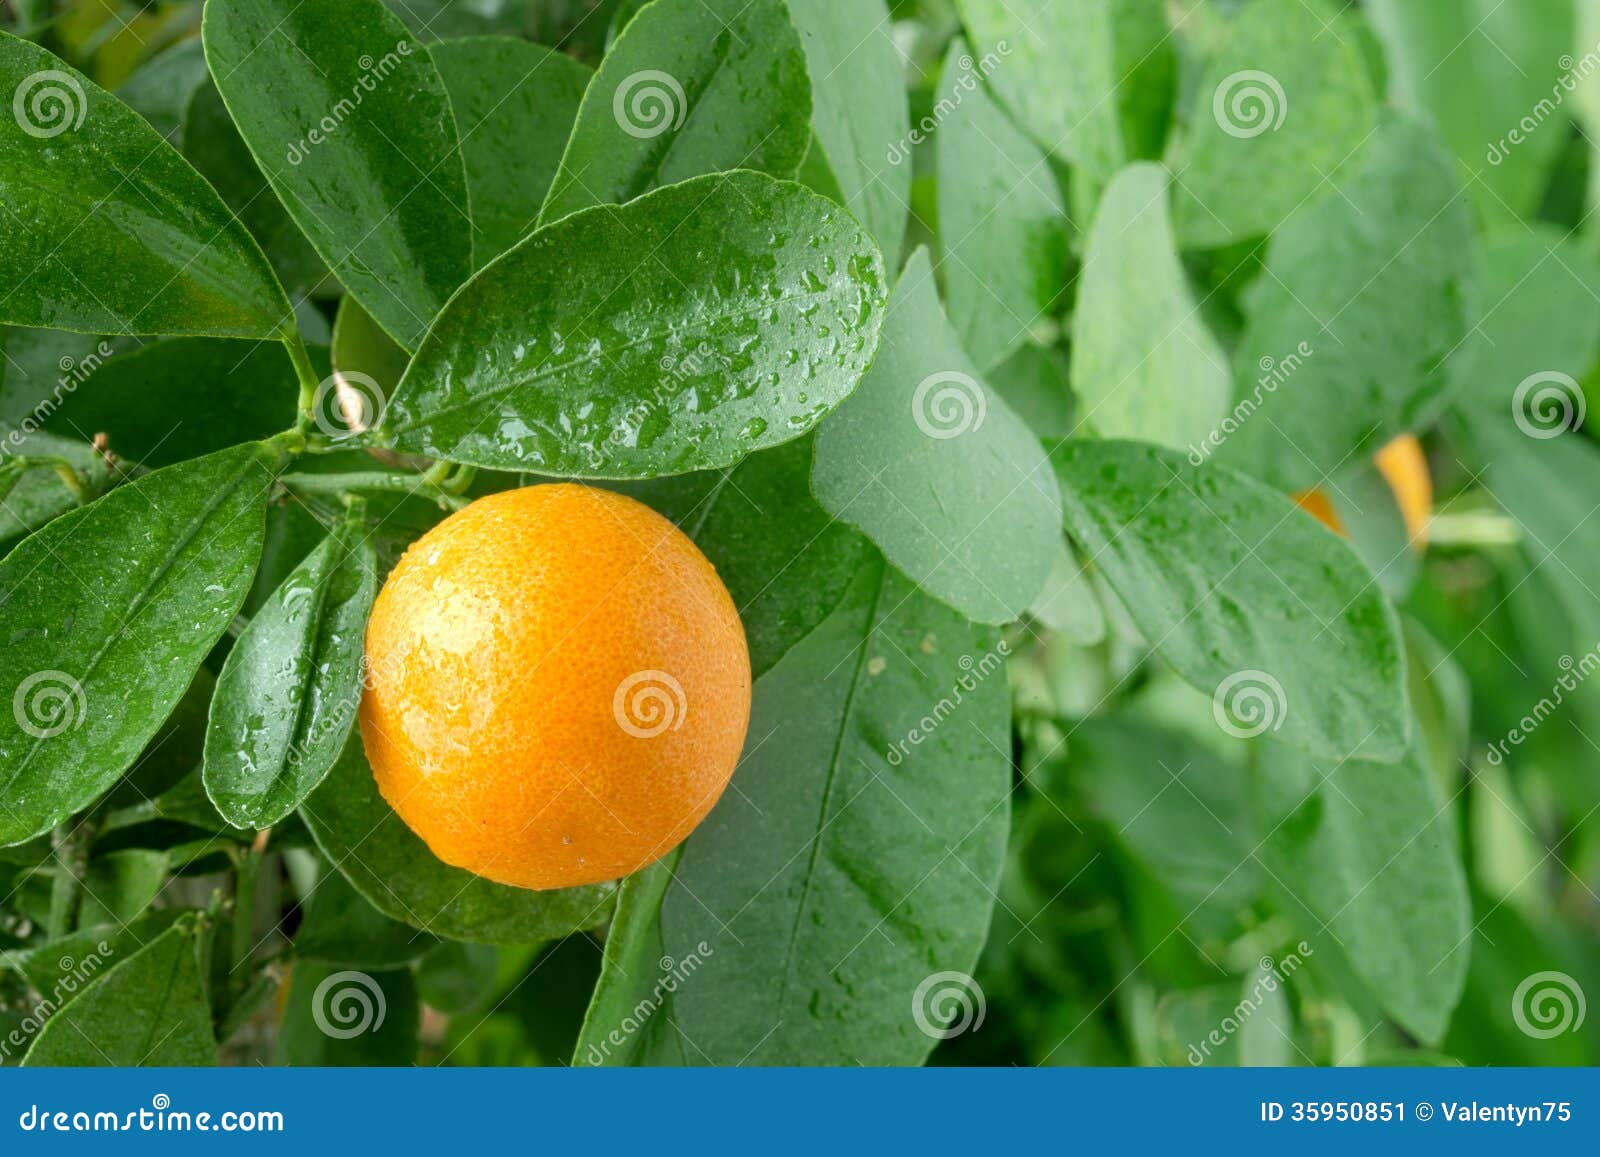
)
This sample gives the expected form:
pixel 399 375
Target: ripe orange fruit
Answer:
pixel 1405 468
pixel 558 687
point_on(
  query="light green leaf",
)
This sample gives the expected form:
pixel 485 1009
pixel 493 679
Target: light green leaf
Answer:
pixel 287 696
pixel 695 325
pixel 1287 101
pixel 149 1009
pixel 345 114
pixel 515 104
pixel 1002 223
pixel 1144 364
pixel 1034 381
pixel 859 110
pixel 1363 297
pixel 108 611
pixel 401 878
pixel 690 87
pixel 108 229
pixel 1248 600
pixel 934 467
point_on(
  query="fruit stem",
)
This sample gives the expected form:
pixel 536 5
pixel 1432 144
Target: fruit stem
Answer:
pixel 339 485
pixel 309 382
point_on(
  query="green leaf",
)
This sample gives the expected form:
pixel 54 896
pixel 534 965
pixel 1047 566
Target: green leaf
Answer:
pixel 367 361
pixel 1483 71
pixel 1144 364
pixel 107 612
pixel 334 1017
pixel 868 823
pixel 160 90
pixel 64 967
pixel 785 562
pixel 347 117
pixel 1363 297
pixel 149 1009
pixel 120 885
pixel 401 878
pixel 340 927
pixel 515 104
pixel 1034 382
pixel 695 325
pixel 690 87
pixel 1369 858
pixel 1287 100
pixel 287 696
pixel 1002 222
pixel 859 110
pixel 39 495
pixel 1079 75
pixel 181 398
pixel 108 229
pixel 1248 600
pixel 935 468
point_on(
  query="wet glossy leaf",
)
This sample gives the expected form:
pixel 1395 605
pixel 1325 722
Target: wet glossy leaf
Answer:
pixel 347 117
pixel 691 87
pixel 1001 219
pixel 1364 295
pixel 108 229
pixel 859 110
pixel 149 1009
pixel 1248 600
pixel 1144 364
pixel 287 696
pixel 401 878
pixel 515 104
pixel 697 324
pixel 934 467
pixel 107 612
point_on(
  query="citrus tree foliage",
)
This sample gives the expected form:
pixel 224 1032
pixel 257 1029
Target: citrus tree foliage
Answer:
pixel 997 354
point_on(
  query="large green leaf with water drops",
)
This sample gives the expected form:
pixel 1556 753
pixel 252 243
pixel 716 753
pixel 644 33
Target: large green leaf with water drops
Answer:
pixel 349 121
pixel 859 111
pixel 515 104
pixel 1287 100
pixel 1144 363
pixel 1002 222
pixel 287 696
pixel 696 324
pixel 1374 287
pixel 933 466
pixel 690 87
pixel 868 819
pixel 108 229
pixel 1248 599
pixel 401 878
pixel 107 613
pixel 150 1008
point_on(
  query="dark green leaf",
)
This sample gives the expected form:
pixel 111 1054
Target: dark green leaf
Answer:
pixel 61 969
pixel 346 116
pixel 160 90
pixel 107 612
pixel 630 1014
pixel 120 885
pixel 1001 220
pixel 335 1016
pixel 937 470
pixel 515 104
pixel 40 495
pixel 695 325
pixel 1364 295
pixel 287 696
pixel 340 927
pixel 149 1009
pixel 859 110
pixel 1249 601
pixel 691 87
pixel 401 878
pixel 108 229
